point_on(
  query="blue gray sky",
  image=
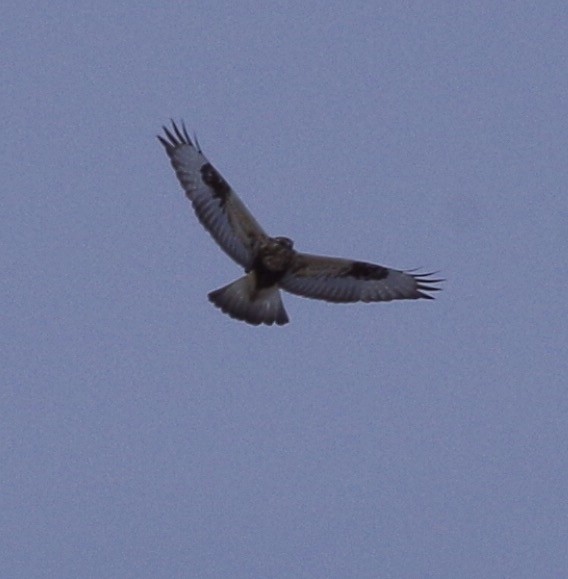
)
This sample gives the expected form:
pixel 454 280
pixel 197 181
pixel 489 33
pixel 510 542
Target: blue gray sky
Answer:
pixel 145 434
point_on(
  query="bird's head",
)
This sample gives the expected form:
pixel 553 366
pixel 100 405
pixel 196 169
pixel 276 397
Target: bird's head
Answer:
pixel 284 242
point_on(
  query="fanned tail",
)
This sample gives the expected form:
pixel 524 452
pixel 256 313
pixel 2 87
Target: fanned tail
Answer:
pixel 242 300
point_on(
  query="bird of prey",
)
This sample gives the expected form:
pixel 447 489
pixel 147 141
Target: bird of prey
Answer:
pixel 272 263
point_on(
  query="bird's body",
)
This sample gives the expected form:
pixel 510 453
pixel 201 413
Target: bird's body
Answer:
pixel 271 263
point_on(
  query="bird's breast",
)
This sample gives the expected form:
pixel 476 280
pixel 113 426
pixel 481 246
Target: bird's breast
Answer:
pixel 271 263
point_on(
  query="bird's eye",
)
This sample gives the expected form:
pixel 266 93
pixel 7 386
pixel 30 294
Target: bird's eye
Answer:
pixel 286 242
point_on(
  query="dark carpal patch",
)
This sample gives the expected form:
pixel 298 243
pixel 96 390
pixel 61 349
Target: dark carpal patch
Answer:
pixel 362 270
pixel 212 178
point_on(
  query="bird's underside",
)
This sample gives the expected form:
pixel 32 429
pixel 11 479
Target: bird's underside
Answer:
pixel 272 263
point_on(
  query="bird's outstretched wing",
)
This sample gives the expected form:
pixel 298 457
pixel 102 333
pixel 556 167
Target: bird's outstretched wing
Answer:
pixel 344 280
pixel 217 206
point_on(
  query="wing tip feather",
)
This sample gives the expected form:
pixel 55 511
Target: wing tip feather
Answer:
pixel 426 283
pixel 176 136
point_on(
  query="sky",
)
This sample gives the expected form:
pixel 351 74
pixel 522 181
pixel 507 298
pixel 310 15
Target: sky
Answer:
pixel 145 434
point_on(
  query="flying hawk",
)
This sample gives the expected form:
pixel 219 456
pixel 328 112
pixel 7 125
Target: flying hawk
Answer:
pixel 272 263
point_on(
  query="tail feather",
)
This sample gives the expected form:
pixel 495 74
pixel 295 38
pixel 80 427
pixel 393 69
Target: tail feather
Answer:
pixel 243 301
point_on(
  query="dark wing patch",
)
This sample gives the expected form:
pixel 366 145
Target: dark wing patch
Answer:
pixel 220 187
pixel 217 206
pixel 363 270
pixel 343 280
